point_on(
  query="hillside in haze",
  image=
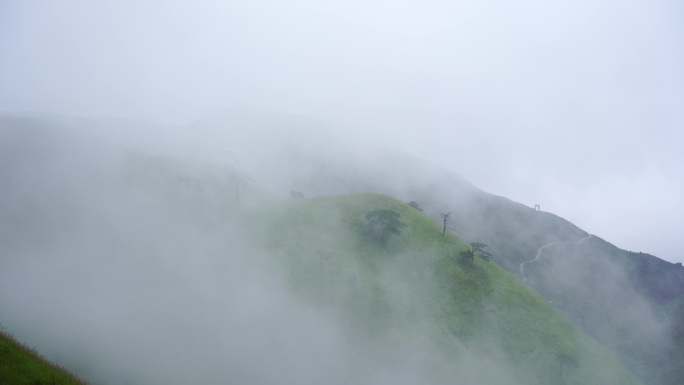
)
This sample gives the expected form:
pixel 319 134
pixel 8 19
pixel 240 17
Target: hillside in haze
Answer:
pixel 621 298
pixel 182 244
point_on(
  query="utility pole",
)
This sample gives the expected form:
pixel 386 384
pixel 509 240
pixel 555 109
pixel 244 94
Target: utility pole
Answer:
pixel 445 216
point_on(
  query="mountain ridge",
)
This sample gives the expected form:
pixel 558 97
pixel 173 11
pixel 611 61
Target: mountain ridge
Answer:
pixel 514 233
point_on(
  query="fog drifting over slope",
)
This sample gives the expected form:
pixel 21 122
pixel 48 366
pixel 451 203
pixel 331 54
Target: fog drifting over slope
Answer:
pixel 574 105
pixel 122 286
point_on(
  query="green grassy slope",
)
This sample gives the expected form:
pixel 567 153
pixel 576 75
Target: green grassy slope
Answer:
pixel 514 232
pixel 417 281
pixel 412 294
pixel 20 365
pixel 410 298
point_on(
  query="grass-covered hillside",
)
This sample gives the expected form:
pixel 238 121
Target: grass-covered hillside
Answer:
pixel 416 292
pixel 20 365
pixel 135 268
pixel 620 298
pixel 412 294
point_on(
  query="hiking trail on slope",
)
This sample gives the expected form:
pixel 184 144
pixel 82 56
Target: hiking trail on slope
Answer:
pixel 539 254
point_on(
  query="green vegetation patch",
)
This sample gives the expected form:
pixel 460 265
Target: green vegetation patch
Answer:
pixel 414 288
pixel 20 365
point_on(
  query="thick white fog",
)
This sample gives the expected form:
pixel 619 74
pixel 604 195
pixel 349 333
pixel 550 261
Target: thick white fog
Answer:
pixel 573 105
pixel 125 282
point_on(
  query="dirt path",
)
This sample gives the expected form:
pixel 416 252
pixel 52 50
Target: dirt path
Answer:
pixel 536 257
pixel 539 254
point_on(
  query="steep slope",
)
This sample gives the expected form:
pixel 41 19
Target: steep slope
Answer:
pixel 594 281
pixel 608 292
pixel 20 365
pixel 615 293
pixel 154 270
pixel 476 310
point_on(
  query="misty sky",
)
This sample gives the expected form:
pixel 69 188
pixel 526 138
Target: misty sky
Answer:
pixel 575 105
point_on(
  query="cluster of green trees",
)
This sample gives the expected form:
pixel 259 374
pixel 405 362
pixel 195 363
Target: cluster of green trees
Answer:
pixel 382 223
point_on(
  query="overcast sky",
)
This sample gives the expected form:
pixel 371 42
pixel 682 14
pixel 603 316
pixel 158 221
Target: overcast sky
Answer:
pixel 575 105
